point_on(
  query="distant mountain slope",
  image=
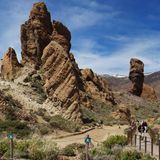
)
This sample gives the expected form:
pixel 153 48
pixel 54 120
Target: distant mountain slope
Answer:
pixel 154 80
pixel 123 83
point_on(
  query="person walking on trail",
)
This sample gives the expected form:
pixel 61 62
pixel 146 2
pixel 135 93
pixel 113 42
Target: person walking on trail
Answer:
pixel 87 140
pixel 143 127
pixel 88 143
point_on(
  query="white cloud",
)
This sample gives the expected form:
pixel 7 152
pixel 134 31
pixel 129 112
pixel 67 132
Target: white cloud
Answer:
pixel 17 13
pixel 86 15
pixel 119 38
pixel 118 62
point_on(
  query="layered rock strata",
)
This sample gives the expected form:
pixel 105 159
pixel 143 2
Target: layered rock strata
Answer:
pixel 35 35
pixel 46 51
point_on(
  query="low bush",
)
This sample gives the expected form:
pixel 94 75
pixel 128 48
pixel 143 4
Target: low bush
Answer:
pixel 37 86
pixel 35 149
pixel 41 150
pixel 115 140
pixel 43 130
pixel 72 148
pixel 20 129
pixel 4 147
pixel 68 151
pixel 134 155
pixel 63 124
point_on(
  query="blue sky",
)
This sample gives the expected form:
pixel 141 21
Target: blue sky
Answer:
pixel 105 33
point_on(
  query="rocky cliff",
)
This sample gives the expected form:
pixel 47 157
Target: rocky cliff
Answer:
pixel 35 35
pixel 49 65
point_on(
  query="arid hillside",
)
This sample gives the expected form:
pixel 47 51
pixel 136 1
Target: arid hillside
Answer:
pixel 123 83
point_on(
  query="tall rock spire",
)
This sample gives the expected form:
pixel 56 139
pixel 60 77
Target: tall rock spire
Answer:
pixel 136 75
pixel 35 34
pixel 10 65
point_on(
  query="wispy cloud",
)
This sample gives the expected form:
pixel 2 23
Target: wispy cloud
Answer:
pixel 86 14
pixel 15 14
pixel 119 38
pixel 146 49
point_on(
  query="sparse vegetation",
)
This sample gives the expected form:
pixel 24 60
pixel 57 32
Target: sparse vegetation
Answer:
pixel 34 149
pixel 113 149
pixel 115 140
pixel 37 85
pixel 59 122
pixel 20 129
pixel 71 149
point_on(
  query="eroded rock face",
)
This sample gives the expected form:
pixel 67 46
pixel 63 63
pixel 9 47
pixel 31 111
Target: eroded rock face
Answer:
pixel 96 86
pixel 61 35
pixel 10 65
pixel 136 75
pixel 61 79
pixel 35 34
pixel 46 51
pixel 148 92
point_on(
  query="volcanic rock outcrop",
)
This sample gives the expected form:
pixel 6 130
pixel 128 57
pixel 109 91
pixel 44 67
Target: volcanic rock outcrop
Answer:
pixel 10 65
pixel 35 34
pixel 136 75
pixel 148 92
pixel 46 53
pixel 96 85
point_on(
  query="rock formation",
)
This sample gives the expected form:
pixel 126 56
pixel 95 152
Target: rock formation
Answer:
pixel 10 65
pixel 148 92
pixel 96 86
pixel 61 78
pixel 136 75
pixel 35 34
pixel 61 35
pixel 46 52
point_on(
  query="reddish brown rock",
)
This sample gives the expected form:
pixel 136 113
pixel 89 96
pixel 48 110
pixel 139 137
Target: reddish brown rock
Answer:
pixel 148 92
pixel 96 86
pixel 61 35
pixel 10 65
pixel 62 81
pixel 136 75
pixel 35 34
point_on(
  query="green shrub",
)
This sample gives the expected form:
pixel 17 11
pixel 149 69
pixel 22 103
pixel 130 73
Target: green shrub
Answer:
pixel 27 79
pixel 101 151
pixel 115 140
pixel 20 129
pixel 68 151
pixel 4 146
pixel 43 130
pixel 47 117
pixel 130 155
pixel 105 157
pixel 147 157
pixel 61 123
pixel 134 155
pixel 41 150
pixel 37 85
